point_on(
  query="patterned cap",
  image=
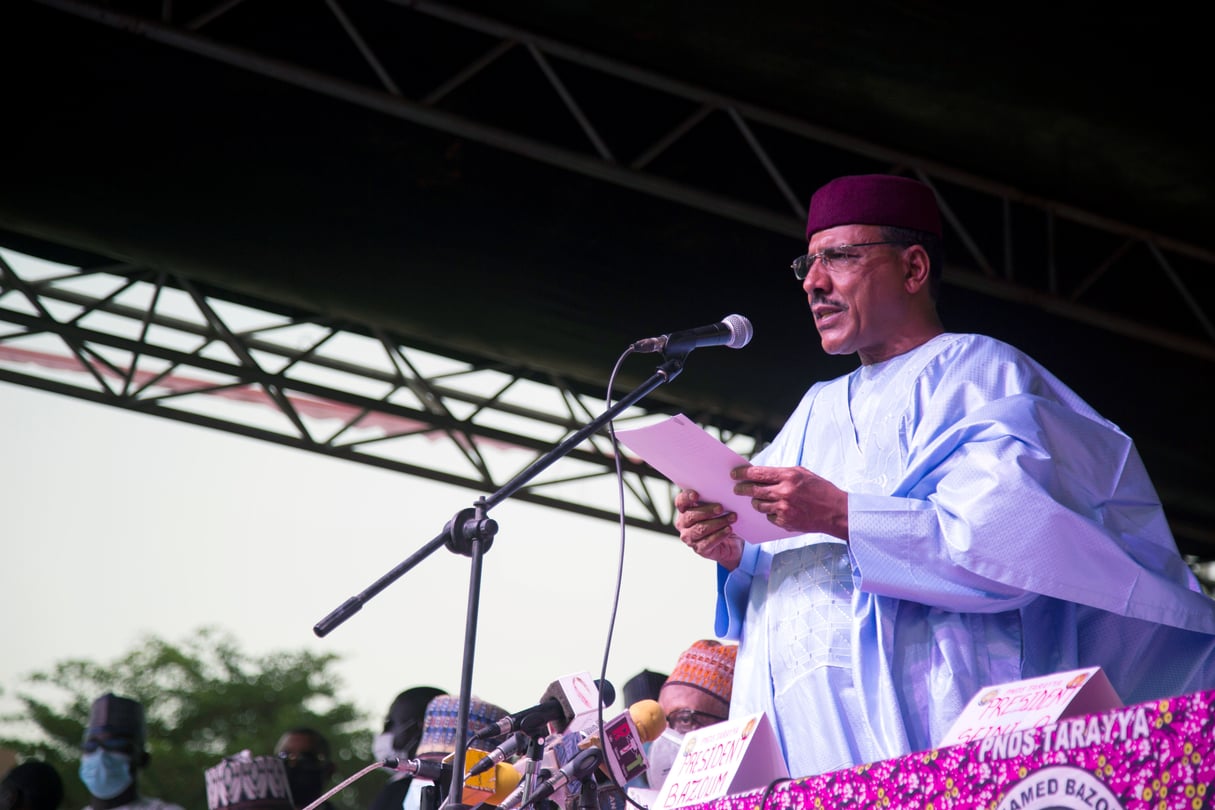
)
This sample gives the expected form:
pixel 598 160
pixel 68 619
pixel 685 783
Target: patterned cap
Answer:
pixel 707 665
pixel 249 783
pixel 439 724
pixel 874 199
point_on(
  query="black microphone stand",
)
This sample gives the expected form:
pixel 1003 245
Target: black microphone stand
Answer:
pixel 471 533
pixel 588 796
pixel 431 797
pixel 534 772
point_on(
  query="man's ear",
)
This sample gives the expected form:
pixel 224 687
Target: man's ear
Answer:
pixel 918 266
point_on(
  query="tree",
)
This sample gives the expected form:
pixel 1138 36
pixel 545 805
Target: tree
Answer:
pixel 204 699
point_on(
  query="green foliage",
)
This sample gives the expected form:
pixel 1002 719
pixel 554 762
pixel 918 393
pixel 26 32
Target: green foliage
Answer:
pixel 204 699
pixel 1204 572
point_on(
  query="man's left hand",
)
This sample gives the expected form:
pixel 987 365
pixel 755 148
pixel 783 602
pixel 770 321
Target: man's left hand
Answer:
pixel 794 498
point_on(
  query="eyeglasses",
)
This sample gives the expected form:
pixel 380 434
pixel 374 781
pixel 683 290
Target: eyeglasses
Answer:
pixel 685 720
pixel 301 759
pixel 838 258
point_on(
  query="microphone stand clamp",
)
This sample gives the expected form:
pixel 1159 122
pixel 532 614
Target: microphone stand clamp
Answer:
pixel 469 525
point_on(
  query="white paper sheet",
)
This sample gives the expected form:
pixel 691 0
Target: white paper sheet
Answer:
pixel 692 459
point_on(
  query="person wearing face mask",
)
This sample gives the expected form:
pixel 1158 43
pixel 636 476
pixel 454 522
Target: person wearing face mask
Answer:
pixel 305 753
pixel 113 753
pixel 696 694
pixel 399 739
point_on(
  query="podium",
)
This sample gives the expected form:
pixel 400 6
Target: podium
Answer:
pixel 1158 755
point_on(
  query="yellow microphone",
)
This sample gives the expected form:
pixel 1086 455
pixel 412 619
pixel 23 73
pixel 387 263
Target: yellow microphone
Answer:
pixel 504 778
pixel 648 717
pixel 490 786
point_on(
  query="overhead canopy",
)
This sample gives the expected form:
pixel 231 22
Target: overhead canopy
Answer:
pixel 543 182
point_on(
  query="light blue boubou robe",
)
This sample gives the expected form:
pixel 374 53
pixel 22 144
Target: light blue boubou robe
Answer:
pixel 1000 529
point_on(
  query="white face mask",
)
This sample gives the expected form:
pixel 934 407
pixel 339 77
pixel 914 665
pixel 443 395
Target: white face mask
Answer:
pixel 662 757
pixel 381 747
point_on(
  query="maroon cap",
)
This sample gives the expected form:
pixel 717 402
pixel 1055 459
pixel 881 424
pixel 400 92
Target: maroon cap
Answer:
pixel 874 199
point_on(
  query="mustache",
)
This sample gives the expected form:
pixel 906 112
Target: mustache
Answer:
pixel 819 298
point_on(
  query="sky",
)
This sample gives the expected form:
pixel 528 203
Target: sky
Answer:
pixel 118 525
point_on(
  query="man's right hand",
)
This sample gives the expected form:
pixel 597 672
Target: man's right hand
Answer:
pixel 707 530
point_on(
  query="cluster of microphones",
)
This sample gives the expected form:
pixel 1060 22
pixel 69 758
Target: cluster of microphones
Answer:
pixel 558 753
pixel 553 752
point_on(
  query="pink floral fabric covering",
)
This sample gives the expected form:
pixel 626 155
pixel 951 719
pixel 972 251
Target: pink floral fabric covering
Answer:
pixel 1158 755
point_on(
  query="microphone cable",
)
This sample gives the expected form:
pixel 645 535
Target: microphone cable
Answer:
pixel 611 426
pixel 345 783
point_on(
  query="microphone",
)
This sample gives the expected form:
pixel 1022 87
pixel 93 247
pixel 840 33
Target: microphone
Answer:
pixel 624 756
pixel 734 332
pixel 565 700
pixel 509 747
pixel 649 718
pixel 624 738
pixel 577 769
pixel 516 796
pixel 489 788
pixel 421 768
pixel 502 783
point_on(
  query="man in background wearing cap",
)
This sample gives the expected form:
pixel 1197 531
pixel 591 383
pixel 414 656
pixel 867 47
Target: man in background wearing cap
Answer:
pixel 247 782
pixel 696 694
pixel 963 518
pixel 113 753
pixel 399 740
pixel 309 764
pixel 439 727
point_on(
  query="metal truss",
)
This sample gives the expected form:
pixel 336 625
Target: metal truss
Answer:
pixel 488 79
pixel 154 343
pixel 511 90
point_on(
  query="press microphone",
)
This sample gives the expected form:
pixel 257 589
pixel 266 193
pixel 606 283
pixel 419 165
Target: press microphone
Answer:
pixel 734 332
pixel 512 801
pixel 430 769
pixel 649 718
pixel 489 788
pixel 577 769
pixel 624 756
pixel 624 738
pixel 501 784
pixel 509 747
pixel 566 699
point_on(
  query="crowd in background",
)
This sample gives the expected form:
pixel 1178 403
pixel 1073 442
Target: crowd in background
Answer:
pixel 420 726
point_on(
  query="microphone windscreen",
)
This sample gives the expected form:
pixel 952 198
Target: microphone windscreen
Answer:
pixel 507 778
pixel 580 697
pixel 487 785
pixel 741 331
pixel 648 717
pixel 607 692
